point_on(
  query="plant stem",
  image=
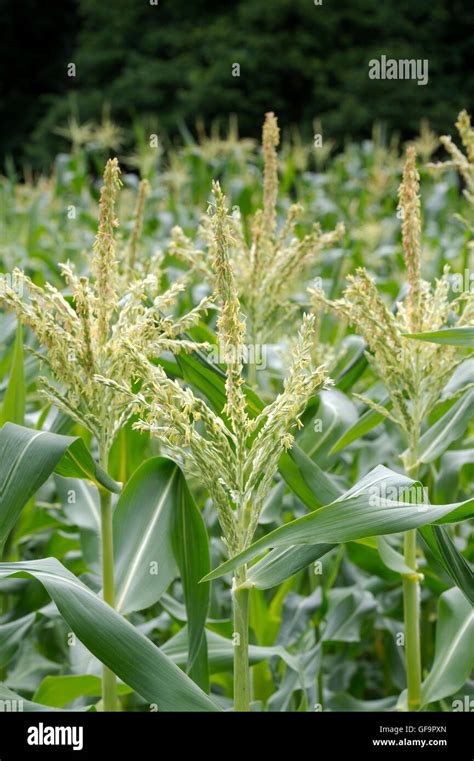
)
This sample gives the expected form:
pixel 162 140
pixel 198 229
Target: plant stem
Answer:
pixel 109 680
pixel 240 602
pixel 411 610
pixel 411 590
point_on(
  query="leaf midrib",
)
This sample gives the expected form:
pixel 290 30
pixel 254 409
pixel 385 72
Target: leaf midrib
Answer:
pixel 141 547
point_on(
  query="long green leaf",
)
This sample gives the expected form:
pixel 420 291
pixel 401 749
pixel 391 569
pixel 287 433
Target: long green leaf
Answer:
pixel 448 555
pixel 360 513
pixel 27 459
pixel 463 336
pixel 279 565
pixel 114 641
pixel 454 654
pixel 191 548
pixel 144 560
pixel 367 422
pixel 447 429
pixel 221 651
pixel 336 413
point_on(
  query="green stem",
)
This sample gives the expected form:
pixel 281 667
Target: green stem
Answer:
pixel 109 680
pixel 240 602
pixel 411 609
pixel 411 594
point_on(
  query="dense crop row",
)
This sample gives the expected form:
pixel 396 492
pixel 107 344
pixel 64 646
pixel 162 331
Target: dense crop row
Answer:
pixel 236 453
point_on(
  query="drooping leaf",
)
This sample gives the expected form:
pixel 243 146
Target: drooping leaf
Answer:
pixel 28 458
pixel 391 557
pixel 360 513
pixel 114 641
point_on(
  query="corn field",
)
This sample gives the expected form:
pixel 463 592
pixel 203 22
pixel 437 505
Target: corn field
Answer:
pixel 236 407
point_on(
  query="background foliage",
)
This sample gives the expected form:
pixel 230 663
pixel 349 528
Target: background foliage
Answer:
pixel 173 61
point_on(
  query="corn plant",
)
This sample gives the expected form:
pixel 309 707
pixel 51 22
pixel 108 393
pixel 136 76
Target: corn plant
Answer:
pixel 81 341
pixel 267 268
pixel 237 463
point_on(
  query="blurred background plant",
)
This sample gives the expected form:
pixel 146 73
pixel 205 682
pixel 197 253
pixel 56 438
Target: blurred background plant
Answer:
pixel 179 63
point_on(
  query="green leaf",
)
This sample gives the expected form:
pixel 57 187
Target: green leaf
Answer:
pixel 279 565
pixel 12 635
pixel 348 376
pixel 453 336
pixel 114 641
pixel 391 557
pixel 448 555
pixel 221 651
pixel 456 470
pixel 343 701
pixel 14 401
pixel 19 703
pixel 360 513
pixel 448 428
pixel 210 379
pixel 28 458
pixel 335 414
pixel 58 691
pixel 191 548
pixel 311 484
pixel 81 505
pixel 367 422
pixel 144 560
pixel 347 610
